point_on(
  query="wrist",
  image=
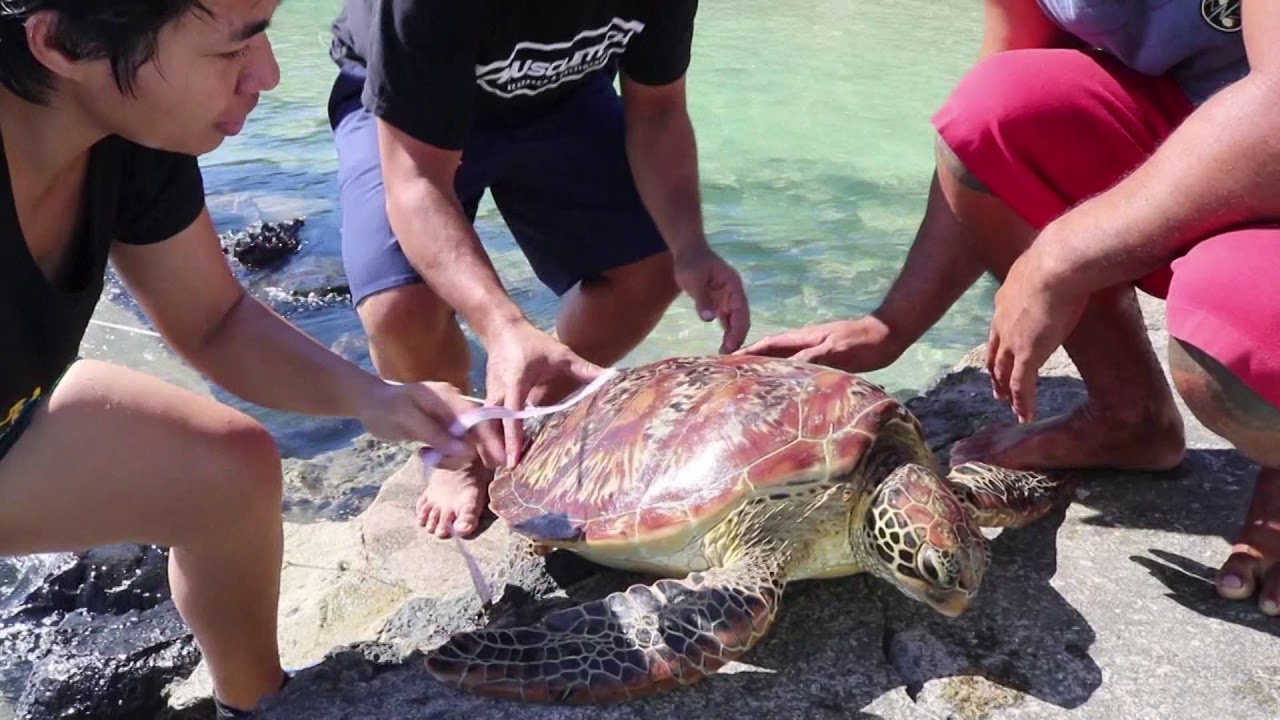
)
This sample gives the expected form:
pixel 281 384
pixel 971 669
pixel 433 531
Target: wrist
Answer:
pixel 492 325
pixel 883 332
pixel 889 329
pixel 689 245
pixel 1053 260
pixel 363 395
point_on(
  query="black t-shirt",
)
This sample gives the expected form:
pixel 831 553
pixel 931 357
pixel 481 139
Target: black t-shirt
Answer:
pixel 435 67
pixel 132 194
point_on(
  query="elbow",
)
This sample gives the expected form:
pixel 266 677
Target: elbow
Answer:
pixel 207 340
pixel 398 193
pixel 656 118
pixel 407 198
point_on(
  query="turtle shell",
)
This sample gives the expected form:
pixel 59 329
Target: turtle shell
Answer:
pixel 682 441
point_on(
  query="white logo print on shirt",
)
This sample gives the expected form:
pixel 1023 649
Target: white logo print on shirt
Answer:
pixel 1222 15
pixel 534 67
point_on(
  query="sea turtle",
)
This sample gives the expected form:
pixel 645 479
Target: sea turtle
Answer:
pixel 728 476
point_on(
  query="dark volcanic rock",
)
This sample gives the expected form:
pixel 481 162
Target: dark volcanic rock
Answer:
pixel 263 244
pixel 112 580
pixel 100 638
pixel 110 666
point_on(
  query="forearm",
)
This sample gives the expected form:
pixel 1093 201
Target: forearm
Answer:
pixel 1214 172
pixel 443 247
pixel 258 356
pixel 939 268
pixel 663 155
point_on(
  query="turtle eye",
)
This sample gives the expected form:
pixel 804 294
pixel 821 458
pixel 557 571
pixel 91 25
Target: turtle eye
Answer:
pixel 935 567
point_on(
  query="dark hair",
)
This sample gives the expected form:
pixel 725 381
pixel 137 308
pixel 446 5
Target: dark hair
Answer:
pixel 122 31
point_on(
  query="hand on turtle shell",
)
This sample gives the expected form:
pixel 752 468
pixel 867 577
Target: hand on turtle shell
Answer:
pixel 525 359
pixel 859 345
pixel 1033 317
pixel 424 412
pixel 717 292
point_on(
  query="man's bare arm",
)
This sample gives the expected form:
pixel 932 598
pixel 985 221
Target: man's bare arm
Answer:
pixel 1220 168
pixel 436 235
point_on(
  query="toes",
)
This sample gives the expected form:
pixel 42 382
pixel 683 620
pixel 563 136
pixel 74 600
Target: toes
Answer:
pixel 433 519
pixel 466 521
pixel 445 525
pixel 1236 580
pixel 423 509
pixel 1269 599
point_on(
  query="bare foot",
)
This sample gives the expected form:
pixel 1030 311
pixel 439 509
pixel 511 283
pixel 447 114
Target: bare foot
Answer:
pixel 1255 558
pixel 1083 438
pixel 454 500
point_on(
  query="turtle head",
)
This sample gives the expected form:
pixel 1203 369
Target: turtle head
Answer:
pixel 918 536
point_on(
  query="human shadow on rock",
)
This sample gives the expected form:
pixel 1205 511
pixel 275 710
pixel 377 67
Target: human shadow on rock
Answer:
pixel 1204 495
pixel 1207 494
pixel 1020 633
pixel 1190 585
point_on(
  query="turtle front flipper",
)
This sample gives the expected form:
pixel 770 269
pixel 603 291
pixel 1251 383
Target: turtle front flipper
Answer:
pixel 1001 497
pixel 642 641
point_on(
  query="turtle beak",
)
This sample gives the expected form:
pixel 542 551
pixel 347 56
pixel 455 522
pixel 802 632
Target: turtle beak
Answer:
pixel 951 603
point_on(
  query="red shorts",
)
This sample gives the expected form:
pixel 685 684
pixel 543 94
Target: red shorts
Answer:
pixel 1046 129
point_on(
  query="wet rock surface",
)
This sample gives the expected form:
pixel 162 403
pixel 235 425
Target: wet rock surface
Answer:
pixel 100 638
pixel 263 244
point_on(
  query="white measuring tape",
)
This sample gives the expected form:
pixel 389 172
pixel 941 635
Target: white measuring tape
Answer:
pixel 469 419
pixel 126 328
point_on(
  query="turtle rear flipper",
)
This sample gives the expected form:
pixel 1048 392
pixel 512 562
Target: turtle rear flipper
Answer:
pixel 642 641
pixel 1001 497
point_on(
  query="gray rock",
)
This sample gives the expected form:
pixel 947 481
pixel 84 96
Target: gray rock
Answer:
pixel 1104 609
pixel 339 485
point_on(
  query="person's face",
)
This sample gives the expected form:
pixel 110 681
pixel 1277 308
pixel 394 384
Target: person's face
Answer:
pixel 202 83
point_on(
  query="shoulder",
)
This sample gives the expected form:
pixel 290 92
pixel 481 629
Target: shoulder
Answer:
pixel 159 192
pixel 139 163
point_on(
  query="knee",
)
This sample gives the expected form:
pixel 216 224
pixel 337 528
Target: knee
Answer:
pixel 648 283
pixel 411 315
pixel 1224 403
pixel 249 485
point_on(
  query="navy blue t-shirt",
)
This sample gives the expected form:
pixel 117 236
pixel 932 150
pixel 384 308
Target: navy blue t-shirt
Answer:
pixel 435 67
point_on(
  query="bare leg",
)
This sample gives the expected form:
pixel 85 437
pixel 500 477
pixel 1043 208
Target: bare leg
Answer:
pixel 605 318
pixel 117 456
pixel 1231 409
pixel 1129 420
pixel 414 336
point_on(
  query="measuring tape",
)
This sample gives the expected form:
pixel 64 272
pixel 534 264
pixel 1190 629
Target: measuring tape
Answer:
pixel 470 418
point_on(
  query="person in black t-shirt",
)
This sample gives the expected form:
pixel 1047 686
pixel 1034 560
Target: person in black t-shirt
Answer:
pixel 442 101
pixel 103 108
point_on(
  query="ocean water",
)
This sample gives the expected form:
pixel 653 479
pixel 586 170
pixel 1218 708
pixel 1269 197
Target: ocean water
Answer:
pixel 815 154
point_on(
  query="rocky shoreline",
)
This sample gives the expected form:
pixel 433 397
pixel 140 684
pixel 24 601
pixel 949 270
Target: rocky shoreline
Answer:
pixel 1104 610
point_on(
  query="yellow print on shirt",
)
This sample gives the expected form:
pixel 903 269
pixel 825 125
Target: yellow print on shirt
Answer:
pixel 15 412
